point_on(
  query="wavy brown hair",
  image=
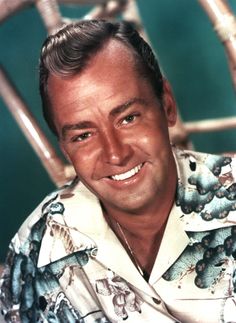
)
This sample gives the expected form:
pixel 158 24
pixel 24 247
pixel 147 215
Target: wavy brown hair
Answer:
pixel 68 51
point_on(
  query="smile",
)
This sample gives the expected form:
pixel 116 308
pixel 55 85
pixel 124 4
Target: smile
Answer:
pixel 128 174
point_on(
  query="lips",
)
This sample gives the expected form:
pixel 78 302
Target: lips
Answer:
pixel 128 174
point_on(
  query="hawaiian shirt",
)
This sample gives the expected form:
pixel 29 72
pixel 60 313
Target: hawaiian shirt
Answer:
pixel 65 264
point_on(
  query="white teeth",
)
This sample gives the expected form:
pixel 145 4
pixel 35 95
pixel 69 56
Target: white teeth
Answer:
pixel 128 174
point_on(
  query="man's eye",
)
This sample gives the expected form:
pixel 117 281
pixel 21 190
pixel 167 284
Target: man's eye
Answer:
pixel 130 118
pixel 81 137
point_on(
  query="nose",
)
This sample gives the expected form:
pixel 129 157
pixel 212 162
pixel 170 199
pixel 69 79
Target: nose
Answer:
pixel 115 150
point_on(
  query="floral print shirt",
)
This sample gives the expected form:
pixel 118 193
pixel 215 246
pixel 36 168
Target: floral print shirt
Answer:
pixel 65 264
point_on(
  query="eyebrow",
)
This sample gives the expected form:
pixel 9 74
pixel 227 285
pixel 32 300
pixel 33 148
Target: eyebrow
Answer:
pixel 114 112
pixel 122 107
pixel 76 126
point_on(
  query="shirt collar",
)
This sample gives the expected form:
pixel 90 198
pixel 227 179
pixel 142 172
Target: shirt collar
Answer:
pixel 82 220
pixel 173 243
pixel 76 228
pixel 175 239
pixel 93 232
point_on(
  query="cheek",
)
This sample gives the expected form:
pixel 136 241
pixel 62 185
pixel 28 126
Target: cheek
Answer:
pixel 79 160
pixel 82 169
pixel 153 137
pixel 84 161
pixel 155 142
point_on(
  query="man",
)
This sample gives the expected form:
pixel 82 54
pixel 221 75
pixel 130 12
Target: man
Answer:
pixel 145 233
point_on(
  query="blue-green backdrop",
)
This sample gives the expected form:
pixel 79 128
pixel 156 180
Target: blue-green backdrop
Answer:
pixel 190 54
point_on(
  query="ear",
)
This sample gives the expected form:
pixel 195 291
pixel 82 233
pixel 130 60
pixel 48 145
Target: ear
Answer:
pixel 169 104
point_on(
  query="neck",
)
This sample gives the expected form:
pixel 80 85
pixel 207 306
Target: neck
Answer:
pixel 141 232
pixel 147 222
pixel 141 242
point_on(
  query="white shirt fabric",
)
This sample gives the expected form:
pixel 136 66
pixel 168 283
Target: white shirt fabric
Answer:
pixel 67 264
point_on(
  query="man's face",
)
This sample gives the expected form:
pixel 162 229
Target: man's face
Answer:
pixel 114 131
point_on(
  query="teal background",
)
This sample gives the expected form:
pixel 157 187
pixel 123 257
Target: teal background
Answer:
pixel 190 55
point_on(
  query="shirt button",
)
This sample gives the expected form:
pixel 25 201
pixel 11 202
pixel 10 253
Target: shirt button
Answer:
pixel 156 301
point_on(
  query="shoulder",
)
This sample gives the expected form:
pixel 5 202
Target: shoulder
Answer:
pixel 205 169
pixel 198 161
pixel 206 190
pixel 25 287
pixel 21 262
pixel 33 227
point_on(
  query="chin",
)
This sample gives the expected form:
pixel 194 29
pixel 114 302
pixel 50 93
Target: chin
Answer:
pixel 133 204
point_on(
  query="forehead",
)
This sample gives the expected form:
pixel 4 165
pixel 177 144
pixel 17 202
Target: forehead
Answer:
pixel 113 55
pixel 109 80
pixel 115 51
pixel 115 62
